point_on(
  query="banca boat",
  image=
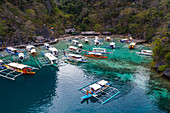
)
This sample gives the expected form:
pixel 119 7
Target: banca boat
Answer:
pixel 99 90
pixel 53 51
pixel 74 49
pixel 31 49
pixel 12 50
pixel 145 52
pixel 124 40
pixel 112 45
pixel 47 46
pixel 108 39
pixel 76 58
pixel 95 55
pixel 132 45
pixel 21 68
pixel 52 59
pixel 86 40
pixel 75 42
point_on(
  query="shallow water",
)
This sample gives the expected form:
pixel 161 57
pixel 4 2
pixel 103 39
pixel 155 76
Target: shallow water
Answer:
pixel 55 91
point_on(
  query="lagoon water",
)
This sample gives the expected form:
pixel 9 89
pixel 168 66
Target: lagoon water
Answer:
pixel 52 91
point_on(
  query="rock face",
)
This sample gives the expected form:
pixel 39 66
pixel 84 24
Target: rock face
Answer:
pixel 159 64
pixel 167 73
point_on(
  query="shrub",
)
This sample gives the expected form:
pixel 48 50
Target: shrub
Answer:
pixel 163 68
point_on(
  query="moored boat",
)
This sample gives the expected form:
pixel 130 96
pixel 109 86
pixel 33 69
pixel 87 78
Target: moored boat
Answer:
pixel 31 49
pixel 112 45
pixel 12 50
pixel 145 52
pixel 108 39
pixel 21 68
pixel 53 51
pixel 47 46
pixel 99 50
pixel 52 59
pixel 86 40
pixel 21 56
pixel 98 89
pixel 80 45
pixel 75 42
pixel 124 40
pixel 74 57
pixel 95 55
pixel 74 49
pixel 132 45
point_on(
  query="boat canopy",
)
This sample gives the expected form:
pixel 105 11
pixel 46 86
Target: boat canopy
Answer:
pixel 72 47
pixel 124 39
pixel 112 43
pixel 133 43
pixel 53 49
pixel 1 61
pixel 46 44
pixel 107 37
pixel 21 54
pixel 86 37
pixel 99 49
pixel 50 56
pixel 147 51
pixel 33 51
pixel 74 55
pixel 80 44
pixel 29 46
pixel 75 41
pixel 11 48
pixel 102 82
pixel 17 65
pixel 92 53
pixel 95 86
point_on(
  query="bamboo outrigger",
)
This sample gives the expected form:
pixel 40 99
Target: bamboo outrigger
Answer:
pixel 99 89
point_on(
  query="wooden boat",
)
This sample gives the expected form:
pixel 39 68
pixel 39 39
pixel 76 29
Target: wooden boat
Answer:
pixel 76 58
pixel 52 59
pixel 74 49
pixel 112 45
pixel 98 89
pixel 95 55
pixel 145 52
pixel 12 50
pixel 53 51
pixel 31 49
pixel 132 45
pixel 108 39
pixel 21 68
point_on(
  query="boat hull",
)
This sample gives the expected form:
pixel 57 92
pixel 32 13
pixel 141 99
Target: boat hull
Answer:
pixel 87 96
pixel 93 56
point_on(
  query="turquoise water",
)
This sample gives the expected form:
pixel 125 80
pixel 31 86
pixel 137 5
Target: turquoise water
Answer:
pixel 52 91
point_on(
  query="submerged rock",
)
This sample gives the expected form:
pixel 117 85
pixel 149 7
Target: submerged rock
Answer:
pixel 167 73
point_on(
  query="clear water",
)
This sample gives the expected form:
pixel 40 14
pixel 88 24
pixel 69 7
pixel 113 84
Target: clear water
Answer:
pixel 52 91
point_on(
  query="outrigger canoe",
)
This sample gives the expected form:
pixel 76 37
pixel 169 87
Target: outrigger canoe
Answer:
pixel 99 89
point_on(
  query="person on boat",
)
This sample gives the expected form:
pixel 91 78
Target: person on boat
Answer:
pixel 92 91
pixel 87 92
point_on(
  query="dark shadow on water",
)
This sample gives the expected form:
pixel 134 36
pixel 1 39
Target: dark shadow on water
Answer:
pixel 28 91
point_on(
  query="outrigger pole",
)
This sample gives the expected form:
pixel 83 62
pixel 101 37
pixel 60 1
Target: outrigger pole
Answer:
pixel 110 98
